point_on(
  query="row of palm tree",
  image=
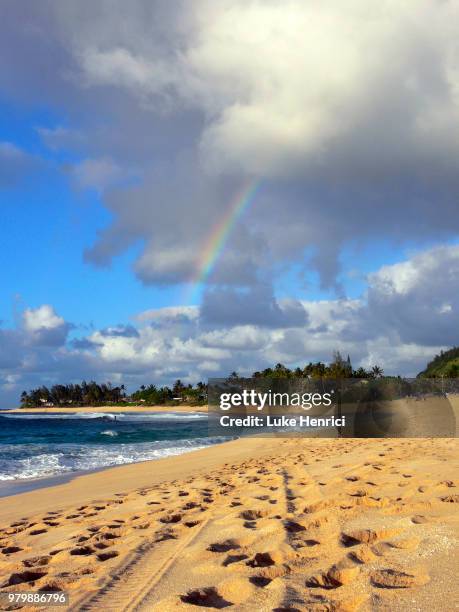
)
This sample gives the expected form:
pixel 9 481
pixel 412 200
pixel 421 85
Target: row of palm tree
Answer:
pixel 338 368
pixel 94 394
pixel 84 394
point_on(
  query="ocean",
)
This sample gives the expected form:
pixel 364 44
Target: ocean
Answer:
pixel 34 446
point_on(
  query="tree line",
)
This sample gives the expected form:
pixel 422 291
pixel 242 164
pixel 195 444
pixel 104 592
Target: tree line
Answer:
pixel 84 394
pixel 338 368
pixel 95 394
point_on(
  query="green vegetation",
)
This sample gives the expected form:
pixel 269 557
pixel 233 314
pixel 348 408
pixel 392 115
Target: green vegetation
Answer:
pixel 444 365
pixel 86 394
pixel 94 394
pixel 153 395
pixel 338 368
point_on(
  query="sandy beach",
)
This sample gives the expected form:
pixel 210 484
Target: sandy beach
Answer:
pixel 113 409
pixel 254 524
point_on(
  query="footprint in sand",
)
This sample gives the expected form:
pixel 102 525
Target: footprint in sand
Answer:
pixel 37 561
pixel 171 518
pixel 451 499
pixel 397 579
pixel 266 559
pixel 10 550
pixel 29 577
pixel 230 559
pixel 366 536
pixel 105 556
pixel 36 532
pixel 362 555
pixel 82 551
pixel 405 543
pixel 253 515
pixel 225 546
pixel 338 575
pixel 419 519
pixel 208 597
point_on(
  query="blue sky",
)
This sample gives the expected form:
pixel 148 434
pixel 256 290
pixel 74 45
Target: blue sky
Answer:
pixel 121 149
pixel 48 223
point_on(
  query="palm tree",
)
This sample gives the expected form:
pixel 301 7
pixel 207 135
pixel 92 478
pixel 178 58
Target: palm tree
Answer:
pixel 178 388
pixel 377 371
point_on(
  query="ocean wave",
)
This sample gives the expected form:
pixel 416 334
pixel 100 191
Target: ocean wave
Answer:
pixel 36 466
pixel 42 461
pixel 109 432
pixel 61 416
pixel 110 416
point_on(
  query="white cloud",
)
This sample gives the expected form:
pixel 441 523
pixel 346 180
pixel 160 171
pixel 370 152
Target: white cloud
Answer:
pixel 416 299
pixel 282 82
pixel 41 318
pixel 445 308
pixel 397 324
pixel 401 278
pixel 43 327
pixel 240 338
pixel 357 103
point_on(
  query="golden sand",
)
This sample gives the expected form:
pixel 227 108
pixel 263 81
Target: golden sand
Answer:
pixel 114 409
pixel 252 525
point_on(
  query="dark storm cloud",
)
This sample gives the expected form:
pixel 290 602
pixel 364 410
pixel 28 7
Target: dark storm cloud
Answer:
pixel 174 93
pixel 256 306
pixel 351 128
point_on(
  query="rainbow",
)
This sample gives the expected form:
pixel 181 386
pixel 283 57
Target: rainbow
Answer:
pixel 216 242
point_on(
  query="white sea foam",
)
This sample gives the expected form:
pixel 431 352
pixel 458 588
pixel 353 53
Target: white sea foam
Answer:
pixel 122 416
pixel 36 466
pixel 46 461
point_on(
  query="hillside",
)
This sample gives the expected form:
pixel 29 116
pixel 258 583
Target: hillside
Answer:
pixel 446 364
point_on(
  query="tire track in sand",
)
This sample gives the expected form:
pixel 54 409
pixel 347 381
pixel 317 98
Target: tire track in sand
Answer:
pixel 136 578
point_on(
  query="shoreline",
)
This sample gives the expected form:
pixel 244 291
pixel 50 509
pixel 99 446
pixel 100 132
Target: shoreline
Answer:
pixel 12 488
pixel 92 485
pixel 106 409
pixel 241 522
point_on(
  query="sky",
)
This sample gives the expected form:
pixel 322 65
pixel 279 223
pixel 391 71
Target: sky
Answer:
pixel 192 188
